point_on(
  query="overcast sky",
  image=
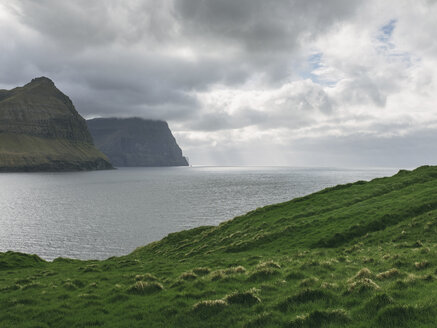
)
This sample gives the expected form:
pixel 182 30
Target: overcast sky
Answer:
pixel 244 82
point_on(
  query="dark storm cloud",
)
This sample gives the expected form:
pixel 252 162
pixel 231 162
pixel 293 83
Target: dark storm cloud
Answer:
pixel 147 58
pixel 261 26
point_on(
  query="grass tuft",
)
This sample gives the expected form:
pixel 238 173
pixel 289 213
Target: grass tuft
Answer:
pixel 363 285
pixel 218 275
pixel 377 302
pixel 392 273
pixel 363 273
pixel 209 308
pixel 145 288
pixel 268 264
pixel 262 320
pixel 321 318
pixel 329 285
pixel 188 276
pixel 244 298
pixel 235 270
pixel 294 275
pixel 422 265
pixel 308 282
pixel 201 271
pixel 263 274
pixel 146 277
pixel 305 296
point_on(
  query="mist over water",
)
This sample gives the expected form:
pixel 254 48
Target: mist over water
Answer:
pixel 95 215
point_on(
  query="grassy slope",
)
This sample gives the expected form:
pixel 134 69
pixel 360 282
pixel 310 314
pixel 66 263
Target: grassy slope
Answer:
pixel 356 255
pixel 19 150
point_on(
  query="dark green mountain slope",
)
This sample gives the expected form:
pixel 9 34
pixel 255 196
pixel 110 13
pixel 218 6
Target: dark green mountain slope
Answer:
pixel 136 142
pixel 355 255
pixel 40 130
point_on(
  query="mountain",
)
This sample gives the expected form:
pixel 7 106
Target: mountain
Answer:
pixel 40 130
pixel 136 142
pixel 358 255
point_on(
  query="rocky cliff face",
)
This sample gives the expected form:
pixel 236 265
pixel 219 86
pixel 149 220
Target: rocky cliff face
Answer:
pixel 136 142
pixel 40 130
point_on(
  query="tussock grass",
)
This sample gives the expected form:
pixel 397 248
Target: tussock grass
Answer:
pixel 209 308
pixel 35 285
pixel 425 250
pixel 235 270
pixel 72 285
pixel 92 285
pixel 146 277
pixel 201 271
pixel 23 281
pixel 218 275
pixel 363 273
pixel 412 278
pixel 248 298
pixel 69 286
pixel 268 264
pixel 227 274
pixel 145 288
pixel 188 276
pixel 377 302
pixel 362 285
pixel 311 295
pixel 294 275
pixel 263 274
pixel 321 318
pixel 392 273
pixel 91 268
pixel 329 264
pixel 305 296
pixel 329 285
pixel 308 282
pixel 422 265
pixel 265 319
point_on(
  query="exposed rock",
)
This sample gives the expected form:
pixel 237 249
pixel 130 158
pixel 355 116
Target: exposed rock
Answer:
pixel 40 130
pixel 136 142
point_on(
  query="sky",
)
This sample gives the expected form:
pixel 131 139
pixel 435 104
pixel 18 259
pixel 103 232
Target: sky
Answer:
pixel 338 83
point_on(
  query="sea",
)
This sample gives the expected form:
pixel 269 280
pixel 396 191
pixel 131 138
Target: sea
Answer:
pixel 99 214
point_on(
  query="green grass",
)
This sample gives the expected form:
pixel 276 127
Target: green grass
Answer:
pixel 356 255
pixel 24 152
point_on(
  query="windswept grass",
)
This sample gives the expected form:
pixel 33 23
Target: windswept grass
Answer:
pixel 357 255
pixel 248 298
pixel 145 288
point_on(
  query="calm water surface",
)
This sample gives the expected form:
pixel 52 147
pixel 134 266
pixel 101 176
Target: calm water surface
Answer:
pixel 95 215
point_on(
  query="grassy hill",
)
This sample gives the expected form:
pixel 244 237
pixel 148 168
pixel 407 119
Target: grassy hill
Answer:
pixel 20 152
pixel 40 130
pixel 355 255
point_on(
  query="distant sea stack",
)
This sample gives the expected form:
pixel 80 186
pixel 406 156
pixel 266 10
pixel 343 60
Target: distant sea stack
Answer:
pixel 40 130
pixel 136 142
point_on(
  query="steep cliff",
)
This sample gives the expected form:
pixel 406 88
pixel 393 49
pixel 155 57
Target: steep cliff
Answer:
pixel 136 142
pixel 40 130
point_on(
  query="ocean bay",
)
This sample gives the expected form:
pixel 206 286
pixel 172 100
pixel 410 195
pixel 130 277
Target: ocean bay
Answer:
pixel 95 215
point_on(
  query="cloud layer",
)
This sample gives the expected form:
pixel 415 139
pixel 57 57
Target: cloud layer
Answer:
pixel 342 83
